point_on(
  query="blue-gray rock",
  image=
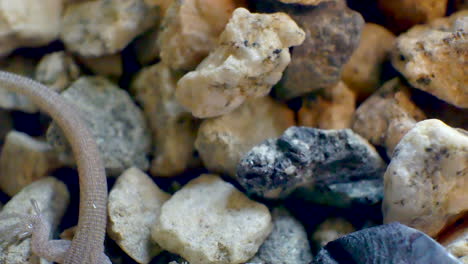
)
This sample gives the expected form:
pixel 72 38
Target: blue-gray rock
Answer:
pixel 386 244
pixel 308 156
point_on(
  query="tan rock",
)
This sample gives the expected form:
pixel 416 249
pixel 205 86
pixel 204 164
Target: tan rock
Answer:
pixel 434 58
pixel 57 70
pixel 110 66
pixel 362 72
pixel 222 141
pixel 252 54
pixel 331 229
pixel 173 128
pixel 386 116
pixel 425 182
pixel 332 108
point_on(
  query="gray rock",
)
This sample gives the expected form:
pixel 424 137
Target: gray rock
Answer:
pixel 386 244
pixel 287 242
pixel 308 156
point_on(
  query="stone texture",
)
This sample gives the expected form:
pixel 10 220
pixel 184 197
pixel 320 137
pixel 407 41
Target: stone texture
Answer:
pixel 96 28
pixel 331 229
pixel 386 116
pixel 57 70
pixel 209 221
pixel 28 23
pixel 362 72
pixel 116 123
pixel 173 128
pixel 252 54
pixel 287 242
pixel 24 160
pixel 311 156
pixel 391 243
pixel 52 197
pixel 190 30
pixel 135 203
pixel 425 183
pixel 433 58
pixel 222 141
pixel 331 108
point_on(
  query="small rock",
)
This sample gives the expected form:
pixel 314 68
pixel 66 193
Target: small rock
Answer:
pixel 52 197
pixel 362 72
pixel 116 123
pixel 311 156
pixel 24 160
pixel 287 242
pixel 28 23
pixel 386 116
pixel 425 183
pixel 209 221
pixel 391 243
pixel 332 108
pixel 433 58
pixel 331 229
pixel 174 129
pixel 57 70
pixel 190 30
pixel 459 246
pixel 222 141
pixel 110 66
pixel 135 203
pixel 103 27
pixel 252 54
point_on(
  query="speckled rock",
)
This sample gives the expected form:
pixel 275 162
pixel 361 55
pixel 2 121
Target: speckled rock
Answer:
pixel 425 183
pixel 28 23
pixel 362 72
pixel 190 30
pixel 331 229
pixel 174 129
pixel 331 108
pixel 392 243
pixel 116 123
pixel 96 28
pixel 287 242
pixel 433 58
pixel 386 116
pixel 222 141
pixel 209 221
pixel 24 160
pixel 400 15
pixel 52 197
pixel 252 54
pixel 311 156
pixel 135 203
pixel 57 70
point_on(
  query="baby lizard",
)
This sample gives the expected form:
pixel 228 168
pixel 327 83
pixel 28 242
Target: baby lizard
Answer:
pixel 87 246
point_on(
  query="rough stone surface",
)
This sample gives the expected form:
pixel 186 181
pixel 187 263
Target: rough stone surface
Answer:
pixel 28 23
pixel 311 156
pixel 209 221
pixel 173 128
pixel 331 229
pixel 116 123
pixel 252 54
pixel 287 242
pixel 52 197
pixel 222 141
pixel 425 183
pixel 332 108
pixel 362 72
pixel 386 116
pixel 190 30
pixel 57 70
pixel 433 58
pixel 24 160
pixel 391 243
pixel 95 28
pixel 135 203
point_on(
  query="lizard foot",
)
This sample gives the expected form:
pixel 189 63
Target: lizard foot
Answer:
pixel 16 232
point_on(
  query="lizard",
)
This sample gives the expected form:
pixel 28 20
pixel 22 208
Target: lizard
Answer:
pixel 87 246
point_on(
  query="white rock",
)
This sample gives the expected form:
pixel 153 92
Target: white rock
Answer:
pixel 57 70
pixel 209 221
pixel 425 183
